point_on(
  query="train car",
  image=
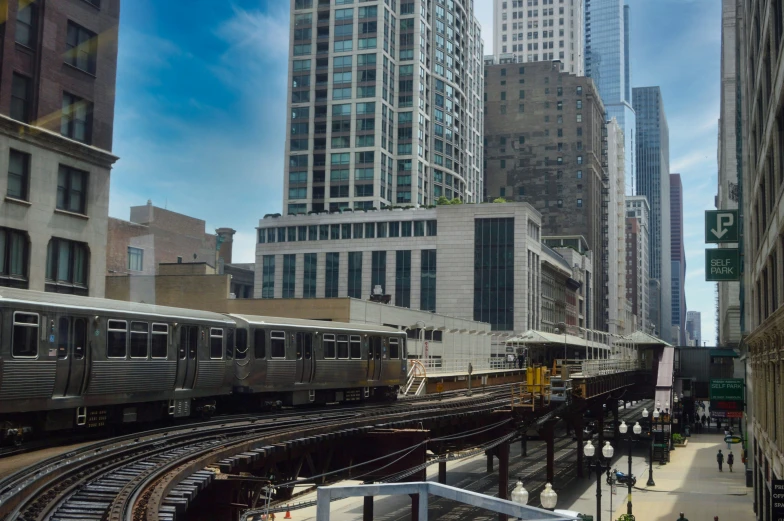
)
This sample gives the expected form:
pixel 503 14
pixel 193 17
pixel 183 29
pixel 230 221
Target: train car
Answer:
pixel 299 362
pixel 70 361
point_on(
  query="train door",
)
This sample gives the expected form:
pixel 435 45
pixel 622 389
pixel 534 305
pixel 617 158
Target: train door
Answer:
pixel 187 357
pixel 379 356
pixel 71 340
pixel 374 358
pixel 306 363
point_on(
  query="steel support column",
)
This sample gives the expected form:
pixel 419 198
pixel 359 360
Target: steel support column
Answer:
pixel 489 461
pixel 578 433
pixel 524 445
pixel 503 475
pixel 367 511
pixel 442 472
pixel 548 433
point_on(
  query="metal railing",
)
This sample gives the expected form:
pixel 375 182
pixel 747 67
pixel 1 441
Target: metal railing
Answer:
pixel 460 364
pixel 602 367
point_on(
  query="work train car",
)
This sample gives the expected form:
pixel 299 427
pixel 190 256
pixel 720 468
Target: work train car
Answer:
pixel 69 361
pixel 310 361
pixel 73 362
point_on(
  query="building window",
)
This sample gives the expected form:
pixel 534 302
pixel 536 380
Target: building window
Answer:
pixel 355 274
pixel 18 175
pixel 77 117
pixel 378 271
pixel 20 98
pixel 25 23
pixel 579 203
pixel 403 278
pixel 67 266
pixel 309 276
pixel 13 258
pixel 289 275
pixel 494 272
pixel 427 298
pixel 135 259
pixel 268 277
pixel 332 275
pixel 71 189
pixel 81 48
pixel 432 228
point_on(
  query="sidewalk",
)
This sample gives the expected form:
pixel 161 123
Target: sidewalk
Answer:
pixel 691 483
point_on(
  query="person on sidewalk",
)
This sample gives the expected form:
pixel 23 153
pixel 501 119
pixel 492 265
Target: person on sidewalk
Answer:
pixel 704 419
pixel 720 460
pixel 682 518
pixel 730 460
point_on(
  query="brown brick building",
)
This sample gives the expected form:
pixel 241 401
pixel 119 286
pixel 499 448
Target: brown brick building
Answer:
pixel 155 236
pixel 57 89
pixel 545 144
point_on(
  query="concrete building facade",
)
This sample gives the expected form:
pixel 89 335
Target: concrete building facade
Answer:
pixel 677 257
pixel 544 145
pixel 728 327
pixel 385 105
pixel 575 251
pixel 638 258
pixel 531 33
pixel 653 181
pixel 694 327
pixel 56 119
pixel 615 251
pixel 476 262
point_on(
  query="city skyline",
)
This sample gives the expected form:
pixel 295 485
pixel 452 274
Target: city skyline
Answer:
pixel 233 118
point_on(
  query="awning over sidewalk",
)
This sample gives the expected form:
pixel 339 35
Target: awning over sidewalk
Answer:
pixel 723 353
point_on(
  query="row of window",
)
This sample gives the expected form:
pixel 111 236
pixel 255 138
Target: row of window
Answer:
pixel 372 230
pixel 71 183
pixel 67 262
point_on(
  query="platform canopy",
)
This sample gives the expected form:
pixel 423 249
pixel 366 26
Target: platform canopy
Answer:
pixel 723 353
pixel 640 338
pixel 540 338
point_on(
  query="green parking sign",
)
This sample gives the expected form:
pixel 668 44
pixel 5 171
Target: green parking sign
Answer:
pixel 722 264
pixel 721 226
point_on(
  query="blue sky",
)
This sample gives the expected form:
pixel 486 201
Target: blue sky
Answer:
pixel 200 113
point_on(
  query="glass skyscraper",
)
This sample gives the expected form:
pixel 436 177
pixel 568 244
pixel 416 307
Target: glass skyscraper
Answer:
pixel 607 63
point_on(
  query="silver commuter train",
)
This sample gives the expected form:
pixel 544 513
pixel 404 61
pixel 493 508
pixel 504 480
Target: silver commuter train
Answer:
pixel 69 361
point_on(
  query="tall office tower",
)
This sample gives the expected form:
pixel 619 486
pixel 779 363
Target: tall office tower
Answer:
pixel 531 32
pixel 728 327
pixel 544 145
pixel 653 181
pixel 56 120
pixel 637 258
pixel 677 257
pixel 385 105
pixel 694 326
pixel 607 60
pixel 615 252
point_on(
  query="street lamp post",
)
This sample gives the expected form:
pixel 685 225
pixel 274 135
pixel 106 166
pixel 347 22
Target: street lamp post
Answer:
pixel 636 430
pixel 599 467
pixel 548 497
pixel 650 483
pixel 519 493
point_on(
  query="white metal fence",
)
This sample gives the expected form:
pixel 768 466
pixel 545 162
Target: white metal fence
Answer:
pixel 602 367
pixel 436 366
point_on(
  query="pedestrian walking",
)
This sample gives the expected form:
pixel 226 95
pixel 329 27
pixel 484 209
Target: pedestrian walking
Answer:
pixel 730 460
pixel 720 460
pixel 704 419
pixel 682 518
pixel 520 361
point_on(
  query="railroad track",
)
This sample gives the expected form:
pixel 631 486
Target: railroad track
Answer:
pixel 148 476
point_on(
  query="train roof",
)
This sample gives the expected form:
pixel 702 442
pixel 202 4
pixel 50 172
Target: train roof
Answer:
pixel 315 324
pixel 93 304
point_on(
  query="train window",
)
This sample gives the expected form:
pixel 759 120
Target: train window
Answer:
pixel 278 344
pixel 216 343
pixel 259 344
pixel 79 337
pixel 299 344
pixel 308 346
pixel 25 336
pixel 62 337
pixel 329 346
pixel 182 349
pixel 379 343
pixel 140 336
pixel 116 338
pixel 394 348
pixel 241 344
pixel 160 341
pixel 193 342
pixel 355 347
pixel 343 346
pixel 229 344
